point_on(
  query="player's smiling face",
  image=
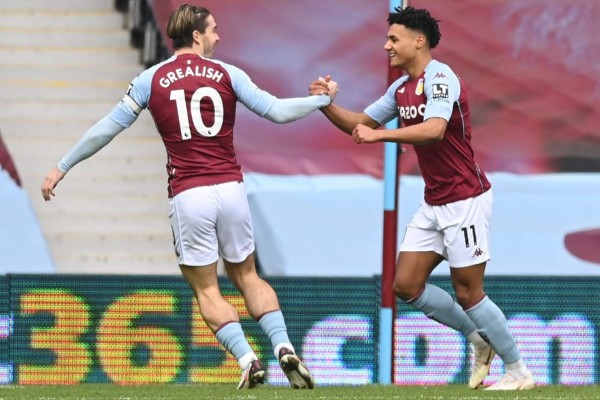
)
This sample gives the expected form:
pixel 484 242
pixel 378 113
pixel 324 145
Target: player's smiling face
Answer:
pixel 401 45
pixel 210 38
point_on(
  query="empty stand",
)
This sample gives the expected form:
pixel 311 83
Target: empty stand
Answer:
pixel 65 64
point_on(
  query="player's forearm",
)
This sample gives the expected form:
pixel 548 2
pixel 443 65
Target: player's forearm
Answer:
pixel 429 131
pixel 94 139
pixel 288 110
pixel 343 119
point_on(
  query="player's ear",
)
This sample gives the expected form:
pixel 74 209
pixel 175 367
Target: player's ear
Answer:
pixel 197 36
pixel 420 40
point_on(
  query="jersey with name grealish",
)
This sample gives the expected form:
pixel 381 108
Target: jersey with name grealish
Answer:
pixel 448 166
pixel 193 103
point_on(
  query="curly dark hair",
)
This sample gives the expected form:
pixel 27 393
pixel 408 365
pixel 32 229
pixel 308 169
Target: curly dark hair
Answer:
pixel 418 20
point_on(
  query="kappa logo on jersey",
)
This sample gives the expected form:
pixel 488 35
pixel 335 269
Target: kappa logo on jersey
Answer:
pixel 479 252
pixel 440 91
pixel 439 75
pixel 419 89
pixel 411 112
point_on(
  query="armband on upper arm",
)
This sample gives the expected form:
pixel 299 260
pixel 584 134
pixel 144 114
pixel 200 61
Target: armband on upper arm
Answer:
pixel 132 104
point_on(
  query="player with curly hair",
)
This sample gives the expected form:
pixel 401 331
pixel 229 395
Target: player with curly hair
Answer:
pixel 453 221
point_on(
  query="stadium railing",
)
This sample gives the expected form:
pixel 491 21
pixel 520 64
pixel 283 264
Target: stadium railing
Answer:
pixel 144 32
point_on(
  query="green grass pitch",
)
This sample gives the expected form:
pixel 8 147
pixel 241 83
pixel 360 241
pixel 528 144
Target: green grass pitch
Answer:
pixel 216 392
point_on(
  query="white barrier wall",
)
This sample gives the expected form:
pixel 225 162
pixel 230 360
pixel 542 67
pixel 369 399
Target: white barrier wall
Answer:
pixel 23 248
pixel 332 225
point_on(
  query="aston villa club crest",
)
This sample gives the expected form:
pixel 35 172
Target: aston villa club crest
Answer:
pixel 419 89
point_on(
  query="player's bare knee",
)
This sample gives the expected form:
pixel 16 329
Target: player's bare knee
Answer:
pixel 406 291
pixel 468 299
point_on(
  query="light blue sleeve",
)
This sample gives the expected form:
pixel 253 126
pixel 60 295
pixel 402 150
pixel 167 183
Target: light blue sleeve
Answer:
pixel 385 109
pixel 268 106
pixel 90 143
pixel 249 94
pixel 442 90
pixel 136 99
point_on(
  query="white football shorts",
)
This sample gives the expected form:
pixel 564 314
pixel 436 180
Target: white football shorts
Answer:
pixel 209 221
pixel 457 231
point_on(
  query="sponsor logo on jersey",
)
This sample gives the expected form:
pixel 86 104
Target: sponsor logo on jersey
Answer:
pixel 440 91
pixel 411 112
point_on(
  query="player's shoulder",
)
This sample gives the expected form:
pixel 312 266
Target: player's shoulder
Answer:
pixel 146 75
pixel 231 69
pixel 397 83
pixel 219 62
pixel 438 70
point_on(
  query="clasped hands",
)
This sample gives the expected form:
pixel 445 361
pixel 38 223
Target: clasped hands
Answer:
pixel 324 86
pixel 361 133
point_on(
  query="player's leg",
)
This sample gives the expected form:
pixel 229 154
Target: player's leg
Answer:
pixel 410 285
pixel 193 221
pixel 468 287
pixel 492 325
pixel 234 230
pixel 422 249
pixel 222 318
pixel 263 305
pixel 468 252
